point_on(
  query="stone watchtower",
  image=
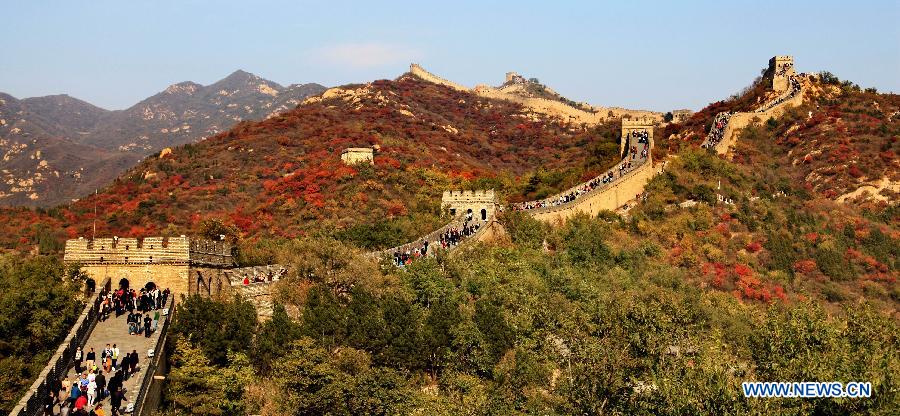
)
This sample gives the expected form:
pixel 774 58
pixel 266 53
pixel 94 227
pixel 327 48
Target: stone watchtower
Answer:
pixel 481 204
pixel 356 155
pixel 636 124
pixel 782 68
pixel 166 261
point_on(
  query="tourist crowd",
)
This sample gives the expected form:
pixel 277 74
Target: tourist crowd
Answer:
pixel 717 130
pixel 95 380
pixel 99 377
pixel 448 238
pixel 792 91
pixel 640 151
pixel 129 300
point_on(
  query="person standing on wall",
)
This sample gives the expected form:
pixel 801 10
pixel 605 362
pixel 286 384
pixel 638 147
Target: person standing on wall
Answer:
pixel 79 356
pixel 115 355
pixel 148 322
pixel 91 357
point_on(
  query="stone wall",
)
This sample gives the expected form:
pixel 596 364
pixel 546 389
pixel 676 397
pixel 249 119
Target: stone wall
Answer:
pixel 128 250
pixel 209 282
pixel 222 284
pixel 544 106
pixel 212 253
pixel 553 108
pixel 150 250
pixel 420 72
pixel 610 197
pixel 739 121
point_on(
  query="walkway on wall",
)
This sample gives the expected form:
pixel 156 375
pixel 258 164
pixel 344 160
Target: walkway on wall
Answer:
pixel 434 238
pixel 638 153
pixel 716 138
pixel 115 331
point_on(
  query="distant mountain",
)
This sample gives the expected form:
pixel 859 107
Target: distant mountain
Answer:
pixel 58 148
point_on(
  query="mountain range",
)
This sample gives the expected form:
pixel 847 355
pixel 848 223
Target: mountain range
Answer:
pixel 58 148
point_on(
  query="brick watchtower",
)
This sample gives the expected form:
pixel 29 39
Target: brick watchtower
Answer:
pixel 782 68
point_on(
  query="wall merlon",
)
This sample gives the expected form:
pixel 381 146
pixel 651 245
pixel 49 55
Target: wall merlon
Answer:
pixel 150 250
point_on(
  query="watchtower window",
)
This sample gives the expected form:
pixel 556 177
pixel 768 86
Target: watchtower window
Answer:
pixel 453 211
pixel 483 214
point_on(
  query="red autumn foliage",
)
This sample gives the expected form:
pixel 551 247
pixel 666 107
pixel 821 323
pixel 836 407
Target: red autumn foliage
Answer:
pixel 812 237
pixel 805 266
pixel 753 246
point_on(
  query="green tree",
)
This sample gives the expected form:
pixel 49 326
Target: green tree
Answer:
pixel 272 336
pixel 216 327
pixel 198 387
pixel 37 309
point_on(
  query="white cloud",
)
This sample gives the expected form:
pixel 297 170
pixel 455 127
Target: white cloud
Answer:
pixel 367 55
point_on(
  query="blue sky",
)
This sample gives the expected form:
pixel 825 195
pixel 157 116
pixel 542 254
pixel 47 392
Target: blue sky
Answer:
pixel 658 55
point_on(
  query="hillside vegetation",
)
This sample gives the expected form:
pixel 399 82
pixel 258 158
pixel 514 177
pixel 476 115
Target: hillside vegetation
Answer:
pixel 726 271
pixel 282 177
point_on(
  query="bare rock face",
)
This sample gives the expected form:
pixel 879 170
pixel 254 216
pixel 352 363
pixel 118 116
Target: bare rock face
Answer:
pixel 57 148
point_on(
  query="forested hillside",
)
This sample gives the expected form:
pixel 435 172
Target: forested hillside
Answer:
pixel 780 263
pixel 279 177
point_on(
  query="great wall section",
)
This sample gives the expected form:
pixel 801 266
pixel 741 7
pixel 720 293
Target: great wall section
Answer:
pixel 627 179
pixel 724 130
pixel 540 105
pixel 206 268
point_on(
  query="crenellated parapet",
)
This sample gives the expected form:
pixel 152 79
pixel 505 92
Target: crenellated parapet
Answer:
pixel 149 250
pixel 211 253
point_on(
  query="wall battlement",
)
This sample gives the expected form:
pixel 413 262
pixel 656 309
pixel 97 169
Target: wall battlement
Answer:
pixel 150 250
pixel 487 195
